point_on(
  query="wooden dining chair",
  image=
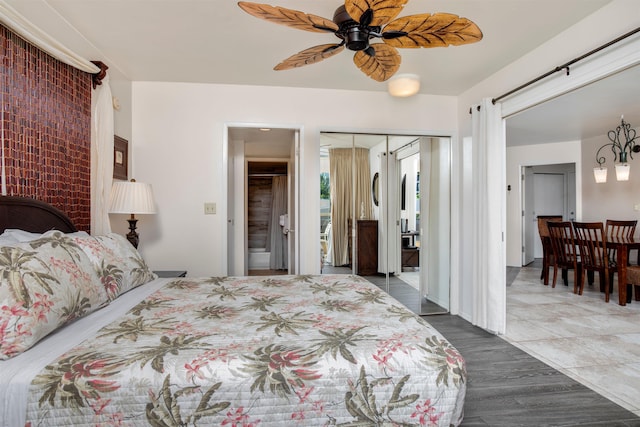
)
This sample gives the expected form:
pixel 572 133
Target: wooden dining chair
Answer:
pixel 565 255
pixel 547 252
pixel 633 281
pixel 591 243
pixel 620 228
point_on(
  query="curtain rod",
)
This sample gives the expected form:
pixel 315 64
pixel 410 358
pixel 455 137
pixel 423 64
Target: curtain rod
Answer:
pixel 567 65
pixel 407 145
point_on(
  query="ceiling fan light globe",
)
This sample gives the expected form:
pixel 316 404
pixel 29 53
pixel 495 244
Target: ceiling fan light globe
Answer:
pixel 404 85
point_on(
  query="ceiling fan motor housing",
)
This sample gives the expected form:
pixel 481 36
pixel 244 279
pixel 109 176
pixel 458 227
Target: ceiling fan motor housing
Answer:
pixel 356 36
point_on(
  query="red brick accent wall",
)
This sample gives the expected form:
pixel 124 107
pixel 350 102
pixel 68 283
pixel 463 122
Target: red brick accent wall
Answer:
pixel 45 123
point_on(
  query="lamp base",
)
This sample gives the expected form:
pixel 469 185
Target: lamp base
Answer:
pixel 132 236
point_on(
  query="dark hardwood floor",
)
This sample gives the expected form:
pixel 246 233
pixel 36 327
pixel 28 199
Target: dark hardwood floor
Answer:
pixel 267 272
pixel 508 387
pixel 398 289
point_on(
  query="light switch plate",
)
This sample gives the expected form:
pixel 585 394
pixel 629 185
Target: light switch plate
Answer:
pixel 209 208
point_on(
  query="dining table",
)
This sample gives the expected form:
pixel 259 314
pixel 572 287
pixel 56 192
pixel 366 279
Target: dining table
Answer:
pixel 622 245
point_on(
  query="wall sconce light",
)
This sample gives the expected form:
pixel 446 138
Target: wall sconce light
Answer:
pixel 403 85
pixel 621 152
pixel 131 197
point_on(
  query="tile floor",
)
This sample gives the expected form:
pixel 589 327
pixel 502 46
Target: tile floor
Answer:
pixel 593 342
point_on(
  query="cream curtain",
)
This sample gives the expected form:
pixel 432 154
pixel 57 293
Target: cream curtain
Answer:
pixel 25 29
pixel 340 183
pixel 350 180
pixel 362 178
pixel 101 157
pixel 489 256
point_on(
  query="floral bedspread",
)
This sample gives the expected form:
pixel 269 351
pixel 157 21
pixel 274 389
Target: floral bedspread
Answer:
pixel 257 351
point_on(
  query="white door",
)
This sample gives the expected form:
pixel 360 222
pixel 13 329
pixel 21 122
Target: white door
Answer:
pixel 293 239
pixel 236 257
pixel 549 199
pixel 528 216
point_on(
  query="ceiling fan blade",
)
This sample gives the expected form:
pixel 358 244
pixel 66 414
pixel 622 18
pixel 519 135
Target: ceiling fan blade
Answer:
pixel 380 66
pixel 310 56
pixel 431 30
pixel 289 17
pixel 383 11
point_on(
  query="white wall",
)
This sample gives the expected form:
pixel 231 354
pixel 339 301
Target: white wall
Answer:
pixel 612 199
pixel 121 89
pixel 179 147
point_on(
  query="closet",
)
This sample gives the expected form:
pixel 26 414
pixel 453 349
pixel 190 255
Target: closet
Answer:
pixel 385 214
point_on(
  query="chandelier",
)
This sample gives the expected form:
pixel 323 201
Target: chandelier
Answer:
pixel 622 146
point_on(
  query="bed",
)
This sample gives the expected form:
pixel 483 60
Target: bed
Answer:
pixel 127 348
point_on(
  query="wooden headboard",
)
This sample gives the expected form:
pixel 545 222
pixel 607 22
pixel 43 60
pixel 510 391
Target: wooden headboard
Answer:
pixel 32 215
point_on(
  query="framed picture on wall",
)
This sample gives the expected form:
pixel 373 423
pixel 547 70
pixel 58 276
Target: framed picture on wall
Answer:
pixel 120 158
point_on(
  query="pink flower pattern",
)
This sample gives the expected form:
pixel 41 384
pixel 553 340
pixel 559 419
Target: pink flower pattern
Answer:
pixel 223 365
pixel 388 347
pixel 427 414
pixel 239 418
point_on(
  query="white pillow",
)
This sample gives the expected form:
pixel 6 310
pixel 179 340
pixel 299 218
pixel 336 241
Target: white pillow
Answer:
pixel 7 240
pixel 22 236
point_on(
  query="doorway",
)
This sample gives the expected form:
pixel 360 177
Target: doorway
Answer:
pixel 267 224
pixel 548 190
pixel 263 206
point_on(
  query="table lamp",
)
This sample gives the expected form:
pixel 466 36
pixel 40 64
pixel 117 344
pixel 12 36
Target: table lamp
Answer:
pixel 131 197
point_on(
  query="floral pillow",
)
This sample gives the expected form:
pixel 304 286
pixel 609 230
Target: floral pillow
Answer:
pixel 44 284
pixel 117 263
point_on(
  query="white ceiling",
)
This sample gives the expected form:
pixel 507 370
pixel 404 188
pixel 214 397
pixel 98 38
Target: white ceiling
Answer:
pixel 214 41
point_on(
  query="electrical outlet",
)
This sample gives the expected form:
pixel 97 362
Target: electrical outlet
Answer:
pixel 636 207
pixel 209 208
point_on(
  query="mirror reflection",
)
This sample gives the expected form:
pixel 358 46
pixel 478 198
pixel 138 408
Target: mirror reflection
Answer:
pixel 375 188
pixel 379 221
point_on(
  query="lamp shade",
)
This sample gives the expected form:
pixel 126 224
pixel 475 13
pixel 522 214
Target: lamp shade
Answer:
pixel 132 198
pixel 622 171
pixel 600 174
pixel 403 85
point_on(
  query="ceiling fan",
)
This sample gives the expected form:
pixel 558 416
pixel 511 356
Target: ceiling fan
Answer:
pixel 358 22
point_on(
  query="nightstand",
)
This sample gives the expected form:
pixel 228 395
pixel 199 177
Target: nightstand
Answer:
pixel 171 273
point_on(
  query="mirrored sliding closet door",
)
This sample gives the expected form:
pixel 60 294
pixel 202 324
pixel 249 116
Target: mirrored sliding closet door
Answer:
pixel 385 214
